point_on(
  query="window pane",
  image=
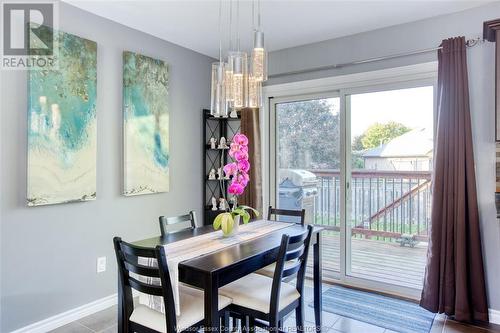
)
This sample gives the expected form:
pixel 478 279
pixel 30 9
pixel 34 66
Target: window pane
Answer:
pixel 308 163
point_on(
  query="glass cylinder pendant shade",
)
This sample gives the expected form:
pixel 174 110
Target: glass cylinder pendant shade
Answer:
pixel 240 77
pixel 259 57
pixel 254 92
pixel 228 81
pixel 218 91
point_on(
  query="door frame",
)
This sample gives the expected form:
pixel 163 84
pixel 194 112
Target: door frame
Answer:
pixel 339 86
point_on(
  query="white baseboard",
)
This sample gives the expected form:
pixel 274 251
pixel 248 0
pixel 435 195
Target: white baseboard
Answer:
pixel 67 317
pixel 494 316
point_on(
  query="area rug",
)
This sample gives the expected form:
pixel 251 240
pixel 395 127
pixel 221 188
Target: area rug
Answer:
pixel 390 313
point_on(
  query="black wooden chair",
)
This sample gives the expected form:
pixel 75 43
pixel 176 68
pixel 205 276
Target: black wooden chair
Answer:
pixel 298 215
pixel 133 273
pixel 176 223
pixel 273 215
pixel 265 301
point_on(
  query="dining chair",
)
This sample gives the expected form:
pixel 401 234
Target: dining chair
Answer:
pixel 267 301
pixel 177 223
pixel 154 281
pixel 300 217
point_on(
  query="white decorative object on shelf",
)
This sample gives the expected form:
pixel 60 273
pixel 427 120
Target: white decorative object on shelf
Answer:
pixel 214 203
pixel 222 143
pixel 233 114
pixel 211 175
pixel 219 174
pixel 222 204
pixel 213 143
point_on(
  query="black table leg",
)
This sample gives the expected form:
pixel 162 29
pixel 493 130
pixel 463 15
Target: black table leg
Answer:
pixel 318 279
pixel 212 321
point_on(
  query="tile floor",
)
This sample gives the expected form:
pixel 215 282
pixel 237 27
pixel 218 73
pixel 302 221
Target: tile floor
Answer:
pixel 105 322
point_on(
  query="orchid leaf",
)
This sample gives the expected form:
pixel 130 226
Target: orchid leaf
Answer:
pixel 255 211
pixel 218 221
pixel 227 223
pixel 238 211
pixel 246 216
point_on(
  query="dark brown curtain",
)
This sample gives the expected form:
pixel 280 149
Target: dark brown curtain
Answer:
pixel 250 126
pixel 454 277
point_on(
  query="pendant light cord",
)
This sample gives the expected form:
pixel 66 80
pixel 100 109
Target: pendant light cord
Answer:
pixel 258 14
pixel 230 25
pixel 238 23
pixel 220 31
pixel 253 15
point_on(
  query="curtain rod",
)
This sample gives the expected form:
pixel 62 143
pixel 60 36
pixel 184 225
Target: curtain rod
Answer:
pixel 469 43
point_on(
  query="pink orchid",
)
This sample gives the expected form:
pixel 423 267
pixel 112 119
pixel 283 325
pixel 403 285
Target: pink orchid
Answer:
pixel 243 179
pixel 240 156
pixel 236 147
pixel 231 169
pixel 236 188
pixel 240 167
pixel 244 149
pixel 240 139
pixel 244 165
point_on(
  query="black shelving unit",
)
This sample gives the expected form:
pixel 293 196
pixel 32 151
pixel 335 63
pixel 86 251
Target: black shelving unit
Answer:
pixel 215 158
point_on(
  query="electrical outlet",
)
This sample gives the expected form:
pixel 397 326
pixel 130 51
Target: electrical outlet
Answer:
pixel 101 264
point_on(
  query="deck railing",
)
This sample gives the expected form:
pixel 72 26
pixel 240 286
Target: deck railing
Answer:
pixel 384 204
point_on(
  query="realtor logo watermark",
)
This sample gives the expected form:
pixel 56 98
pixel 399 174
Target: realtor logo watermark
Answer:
pixel 28 36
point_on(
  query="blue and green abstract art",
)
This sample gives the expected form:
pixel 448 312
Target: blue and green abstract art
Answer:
pixel 146 125
pixel 62 125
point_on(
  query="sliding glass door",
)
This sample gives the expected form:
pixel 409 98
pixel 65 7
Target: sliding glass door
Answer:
pixel 389 176
pixel 307 164
pixel 359 161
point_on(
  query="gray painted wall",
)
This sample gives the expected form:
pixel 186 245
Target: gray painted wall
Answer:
pixel 415 36
pixel 48 254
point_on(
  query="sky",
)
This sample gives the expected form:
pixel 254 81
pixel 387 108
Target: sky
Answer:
pixel 410 107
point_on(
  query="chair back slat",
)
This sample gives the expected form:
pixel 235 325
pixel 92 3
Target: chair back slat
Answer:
pixel 297 239
pixel 137 251
pixel 177 223
pixel 141 269
pixel 294 254
pixel 145 287
pixel 291 269
pixel 299 215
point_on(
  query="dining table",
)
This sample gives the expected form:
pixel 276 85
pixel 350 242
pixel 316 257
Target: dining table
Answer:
pixel 213 270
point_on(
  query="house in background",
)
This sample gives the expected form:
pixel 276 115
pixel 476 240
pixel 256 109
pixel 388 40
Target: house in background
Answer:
pixel 411 151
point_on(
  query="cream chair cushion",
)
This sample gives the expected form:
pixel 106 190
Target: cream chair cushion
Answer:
pixel 192 311
pixel 269 269
pixel 254 292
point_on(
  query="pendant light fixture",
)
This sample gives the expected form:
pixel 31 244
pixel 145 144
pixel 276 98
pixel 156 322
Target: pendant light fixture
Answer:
pixel 259 55
pixel 240 67
pixel 218 107
pixel 237 83
pixel 229 66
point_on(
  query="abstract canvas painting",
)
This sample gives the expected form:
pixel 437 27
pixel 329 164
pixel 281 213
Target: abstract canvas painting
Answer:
pixel 146 125
pixel 62 125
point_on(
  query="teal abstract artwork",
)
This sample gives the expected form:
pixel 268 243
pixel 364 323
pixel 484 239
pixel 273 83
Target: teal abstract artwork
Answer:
pixel 146 125
pixel 62 137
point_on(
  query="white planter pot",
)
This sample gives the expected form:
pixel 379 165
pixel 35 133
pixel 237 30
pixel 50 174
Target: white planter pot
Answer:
pixel 236 226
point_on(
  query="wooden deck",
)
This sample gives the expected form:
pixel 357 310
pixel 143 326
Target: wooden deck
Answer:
pixel 377 260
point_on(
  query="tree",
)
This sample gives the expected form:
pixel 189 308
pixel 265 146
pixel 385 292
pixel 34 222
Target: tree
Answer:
pixel 308 133
pixel 378 134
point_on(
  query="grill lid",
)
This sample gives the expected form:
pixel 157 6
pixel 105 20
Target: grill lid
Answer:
pixel 298 177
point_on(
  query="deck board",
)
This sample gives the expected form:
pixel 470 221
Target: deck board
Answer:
pixel 377 260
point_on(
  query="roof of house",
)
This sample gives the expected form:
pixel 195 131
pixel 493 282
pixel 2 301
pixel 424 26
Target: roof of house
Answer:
pixel 415 143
